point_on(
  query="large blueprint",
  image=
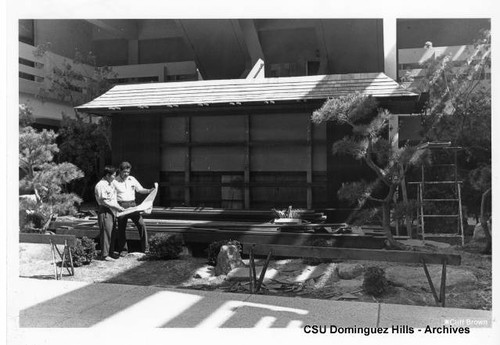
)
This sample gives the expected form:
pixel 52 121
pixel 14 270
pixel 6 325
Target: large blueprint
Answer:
pixel 145 207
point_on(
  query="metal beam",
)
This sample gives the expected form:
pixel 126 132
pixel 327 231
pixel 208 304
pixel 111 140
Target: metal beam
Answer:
pixel 251 39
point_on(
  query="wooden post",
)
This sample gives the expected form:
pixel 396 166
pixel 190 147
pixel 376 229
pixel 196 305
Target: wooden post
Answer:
pixel 52 245
pixel 442 290
pixel 252 272
pixel 309 164
pixel 429 279
pixel 263 272
pixel 246 172
pixel 187 162
pixel 71 261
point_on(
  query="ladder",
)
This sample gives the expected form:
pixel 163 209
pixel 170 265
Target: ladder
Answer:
pixel 428 205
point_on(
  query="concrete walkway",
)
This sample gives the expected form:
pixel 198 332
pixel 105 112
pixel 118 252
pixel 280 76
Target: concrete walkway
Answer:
pixel 51 303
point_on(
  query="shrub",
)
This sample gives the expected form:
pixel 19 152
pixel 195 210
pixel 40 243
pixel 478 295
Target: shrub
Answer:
pixel 374 282
pixel 83 252
pixel 30 222
pixel 164 246
pixel 214 249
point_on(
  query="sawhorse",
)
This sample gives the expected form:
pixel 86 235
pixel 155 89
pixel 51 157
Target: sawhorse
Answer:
pixel 66 258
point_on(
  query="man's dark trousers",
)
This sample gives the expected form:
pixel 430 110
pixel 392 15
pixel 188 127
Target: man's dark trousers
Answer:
pixel 136 217
pixel 106 221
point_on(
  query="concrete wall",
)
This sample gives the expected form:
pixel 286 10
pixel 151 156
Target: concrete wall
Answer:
pixel 47 112
pixel 65 36
pixel 163 50
pixel 220 54
pixel 354 45
pixel 111 52
pixel 413 33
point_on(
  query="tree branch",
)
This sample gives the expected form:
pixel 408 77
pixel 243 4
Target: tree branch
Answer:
pixel 380 173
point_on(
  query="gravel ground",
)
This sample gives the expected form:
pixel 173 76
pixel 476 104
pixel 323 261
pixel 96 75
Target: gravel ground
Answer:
pixel 35 261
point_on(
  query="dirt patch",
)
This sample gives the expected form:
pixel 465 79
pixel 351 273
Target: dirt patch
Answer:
pixel 295 278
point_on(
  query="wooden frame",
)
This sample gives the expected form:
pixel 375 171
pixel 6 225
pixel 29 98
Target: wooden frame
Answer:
pixel 65 256
pixel 354 254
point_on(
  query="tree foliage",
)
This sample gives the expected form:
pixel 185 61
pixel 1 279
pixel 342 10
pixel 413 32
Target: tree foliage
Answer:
pixel 459 110
pixel 459 105
pixel 368 142
pixel 43 180
pixel 83 141
pixel 84 144
pixel 78 81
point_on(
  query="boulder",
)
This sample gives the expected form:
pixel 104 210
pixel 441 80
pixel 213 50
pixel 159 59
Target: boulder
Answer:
pixel 243 274
pixel 228 258
pixel 479 233
pixel 204 272
pixel 349 271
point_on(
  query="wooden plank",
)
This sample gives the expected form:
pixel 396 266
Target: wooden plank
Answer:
pixel 353 254
pixel 46 239
pixel 260 143
pixel 260 236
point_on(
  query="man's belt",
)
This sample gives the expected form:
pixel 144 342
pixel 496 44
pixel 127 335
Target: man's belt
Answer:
pixel 127 204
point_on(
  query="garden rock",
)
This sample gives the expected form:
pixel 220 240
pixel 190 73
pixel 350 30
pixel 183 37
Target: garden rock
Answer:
pixel 228 259
pixel 204 272
pixel 478 232
pixel 243 274
pixel 349 271
pixel 309 272
pixel 415 276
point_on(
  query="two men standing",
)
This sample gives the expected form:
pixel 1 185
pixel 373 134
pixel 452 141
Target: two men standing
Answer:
pixel 115 194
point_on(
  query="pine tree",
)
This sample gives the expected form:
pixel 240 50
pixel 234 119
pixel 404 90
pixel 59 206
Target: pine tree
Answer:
pixel 42 181
pixel 369 143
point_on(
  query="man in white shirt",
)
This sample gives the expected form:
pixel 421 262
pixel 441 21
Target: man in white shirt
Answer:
pixel 105 195
pixel 126 186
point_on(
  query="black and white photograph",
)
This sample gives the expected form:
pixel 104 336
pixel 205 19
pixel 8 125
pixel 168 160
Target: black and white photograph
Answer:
pixel 215 171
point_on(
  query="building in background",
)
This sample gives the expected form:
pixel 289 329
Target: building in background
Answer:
pixel 237 151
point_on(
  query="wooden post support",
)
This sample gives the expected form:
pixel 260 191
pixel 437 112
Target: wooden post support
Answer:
pixel 65 256
pixel 54 258
pixel 442 290
pixel 252 272
pixel 263 272
pixel 429 279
